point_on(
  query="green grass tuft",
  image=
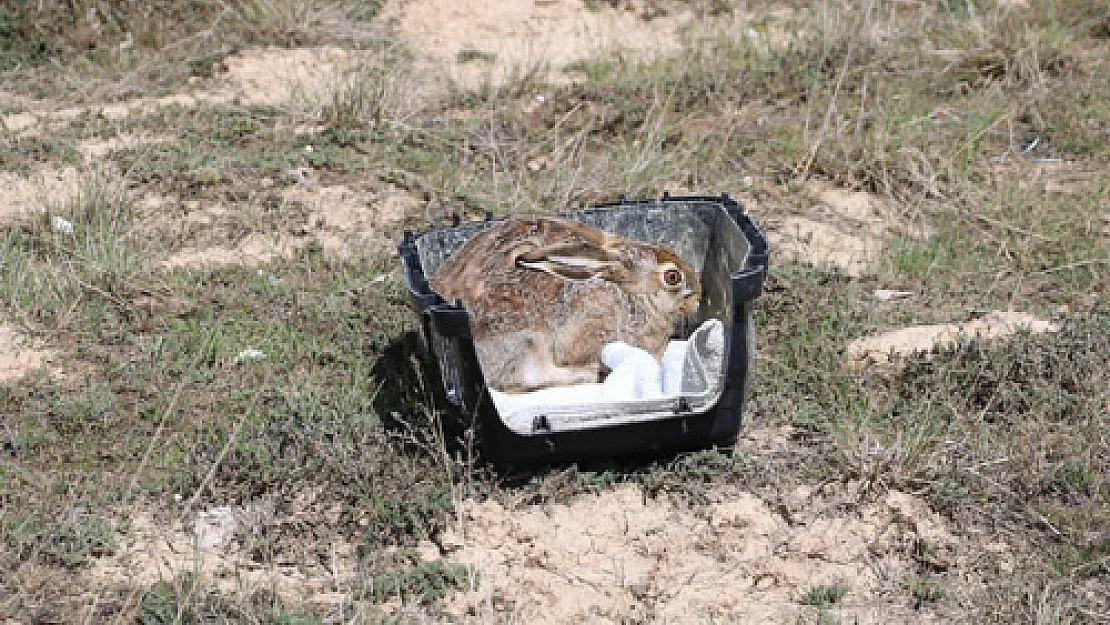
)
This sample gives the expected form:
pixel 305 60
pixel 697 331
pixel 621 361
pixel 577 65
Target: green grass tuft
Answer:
pixel 823 595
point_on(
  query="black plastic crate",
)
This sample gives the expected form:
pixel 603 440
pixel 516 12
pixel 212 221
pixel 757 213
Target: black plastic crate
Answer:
pixel 713 234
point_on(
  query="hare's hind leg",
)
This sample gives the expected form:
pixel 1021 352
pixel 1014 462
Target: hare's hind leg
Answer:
pixel 522 361
pixel 540 371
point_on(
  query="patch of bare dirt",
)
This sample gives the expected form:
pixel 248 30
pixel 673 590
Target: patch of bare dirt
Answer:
pixel 221 546
pixel 21 195
pixel 257 225
pixel 838 227
pixel 272 75
pixel 618 557
pixel 257 76
pixel 20 356
pixel 889 349
pixel 503 37
pixel 43 117
pixel 96 149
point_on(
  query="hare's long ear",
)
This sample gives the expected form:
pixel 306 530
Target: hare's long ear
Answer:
pixel 574 261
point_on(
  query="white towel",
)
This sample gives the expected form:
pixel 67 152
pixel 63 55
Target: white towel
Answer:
pixel 691 367
pixel 634 374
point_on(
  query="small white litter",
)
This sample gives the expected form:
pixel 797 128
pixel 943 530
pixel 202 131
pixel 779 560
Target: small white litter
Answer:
pixel 62 225
pixel 250 354
pixel 214 528
pixel 887 294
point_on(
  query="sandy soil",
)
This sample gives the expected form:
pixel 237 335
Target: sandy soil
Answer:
pixel 507 39
pixel 837 227
pixel 45 187
pixel 257 76
pixel 525 35
pixel 889 349
pixel 94 150
pixel 275 222
pixel 513 38
pixel 221 545
pixel 619 557
pixel 20 356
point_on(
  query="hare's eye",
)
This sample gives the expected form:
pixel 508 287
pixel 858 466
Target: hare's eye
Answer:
pixel 672 277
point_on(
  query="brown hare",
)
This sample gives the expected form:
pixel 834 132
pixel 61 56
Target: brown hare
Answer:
pixel 545 294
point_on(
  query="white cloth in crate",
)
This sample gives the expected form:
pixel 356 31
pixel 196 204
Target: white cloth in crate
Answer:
pixel 688 368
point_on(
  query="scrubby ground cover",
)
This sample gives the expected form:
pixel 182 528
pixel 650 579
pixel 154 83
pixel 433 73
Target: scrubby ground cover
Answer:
pixel 209 408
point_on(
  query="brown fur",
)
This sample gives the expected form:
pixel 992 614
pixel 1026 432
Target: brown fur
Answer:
pixel 545 294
